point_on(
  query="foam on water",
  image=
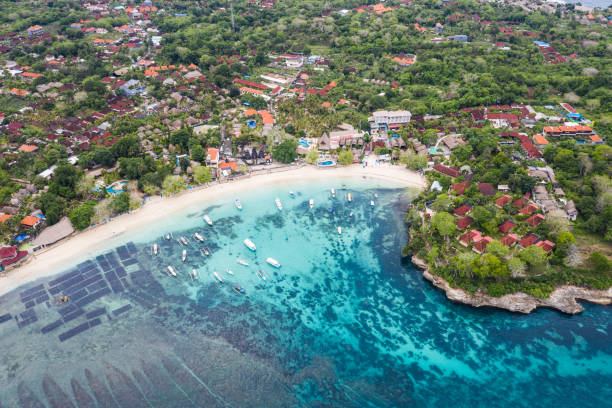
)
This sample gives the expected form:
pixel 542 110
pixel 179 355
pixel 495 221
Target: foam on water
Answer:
pixel 342 323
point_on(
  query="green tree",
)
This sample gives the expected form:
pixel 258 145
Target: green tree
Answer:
pixel 132 167
pixel 201 175
pixel 345 157
pixel 173 184
pixel 312 156
pixel 120 203
pixel 198 154
pixel 81 216
pixel 52 207
pixel 285 152
pixel 128 146
pixel 102 155
pixel 534 256
pixel 441 203
pixel 498 249
pixel 516 267
pixel 444 223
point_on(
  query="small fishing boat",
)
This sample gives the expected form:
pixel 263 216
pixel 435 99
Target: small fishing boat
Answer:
pixel 194 274
pixel 291 194
pixel 199 237
pixel 249 244
pixel 208 220
pixel 168 236
pixel 372 203
pixel 339 230
pixel 333 193
pixel 183 240
pixel 219 278
pixel 171 271
pixel 184 255
pixel 311 203
pixel 238 204
pixel 351 214
pixel 279 205
pixel 155 249
pixel 261 275
pixel 349 197
pixel 239 289
pixel 204 250
pixel 375 195
pixel 242 262
pixel 273 262
pixel 229 271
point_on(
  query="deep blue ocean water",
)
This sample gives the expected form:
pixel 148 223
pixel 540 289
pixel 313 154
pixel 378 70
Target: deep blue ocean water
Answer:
pixel 344 322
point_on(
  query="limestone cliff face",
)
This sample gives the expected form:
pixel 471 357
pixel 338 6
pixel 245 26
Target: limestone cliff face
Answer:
pixel 563 298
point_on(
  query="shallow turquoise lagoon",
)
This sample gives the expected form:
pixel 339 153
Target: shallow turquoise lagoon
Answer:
pixel 344 322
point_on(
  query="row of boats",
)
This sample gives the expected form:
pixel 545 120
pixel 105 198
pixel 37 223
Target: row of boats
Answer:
pixel 279 204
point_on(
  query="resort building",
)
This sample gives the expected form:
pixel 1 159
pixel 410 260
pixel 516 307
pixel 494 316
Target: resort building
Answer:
pixel 383 120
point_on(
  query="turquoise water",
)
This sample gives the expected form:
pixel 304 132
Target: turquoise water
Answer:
pixel 343 323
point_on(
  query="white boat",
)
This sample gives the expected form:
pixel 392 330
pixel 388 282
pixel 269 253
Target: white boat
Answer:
pixel 261 275
pixel 183 241
pixel 349 197
pixel 199 237
pixel 250 244
pixel 333 193
pixel 273 262
pixel 372 203
pixel 238 204
pixel 291 194
pixel 171 271
pixel 208 220
pixel 242 262
pixel 339 230
pixel 279 205
pixel 168 236
pixel 229 271
pixel 204 250
pixel 218 277
pixel 351 214
pixel 375 195
pixel 311 203
pixel 184 255
pixel 155 249
pixel 194 274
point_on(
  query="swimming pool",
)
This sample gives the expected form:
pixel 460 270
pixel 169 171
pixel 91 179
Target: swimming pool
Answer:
pixel 326 163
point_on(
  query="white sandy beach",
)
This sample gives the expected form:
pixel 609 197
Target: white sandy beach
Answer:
pixel 48 261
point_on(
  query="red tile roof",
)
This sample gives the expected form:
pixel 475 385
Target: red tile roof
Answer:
pixel 462 210
pixel 509 239
pixel 529 209
pixel 519 203
pixel 449 171
pixel 528 240
pixel 535 219
pixel 486 189
pixel 8 252
pixel 482 244
pixel 547 246
pixel 464 222
pixel 460 187
pixel 506 226
pixel 20 255
pixel 503 200
pixel 469 236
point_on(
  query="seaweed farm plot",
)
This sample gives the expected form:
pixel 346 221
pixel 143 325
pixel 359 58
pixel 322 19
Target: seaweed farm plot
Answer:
pixel 95 291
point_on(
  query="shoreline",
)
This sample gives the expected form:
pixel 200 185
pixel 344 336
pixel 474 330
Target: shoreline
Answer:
pixel 50 260
pixel 563 298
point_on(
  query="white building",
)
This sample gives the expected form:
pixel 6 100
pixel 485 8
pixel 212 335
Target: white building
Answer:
pixel 389 119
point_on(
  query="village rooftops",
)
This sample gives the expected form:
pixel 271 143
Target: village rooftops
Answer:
pixel 547 246
pixel 528 240
pixel 470 236
pixel 503 200
pixel 464 222
pixel 486 189
pixel 529 209
pixel 509 240
pixel 506 227
pixel 460 188
pixel 449 171
pixel 535 219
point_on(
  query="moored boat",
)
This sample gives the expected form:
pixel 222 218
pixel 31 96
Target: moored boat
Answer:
pixel 261 275
pixel 194 274
pixel 238 204
pixel 199 237
pixel 291 194
pixel 168 236
pixel 184 255
pixel 371 203
pixel 208 220
pixel 239 289
pixel 204 250
pixel 273 262
pixel 349 197
pixel 279 205
pixel 339 230
pixel 171 271
pixel 219 278
pixel 351 214
pixel 229 271
pixel 242 262
pixel 249 244
pixel 311 203
pixel 333 192
pixel 183 240
pixel 155 249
